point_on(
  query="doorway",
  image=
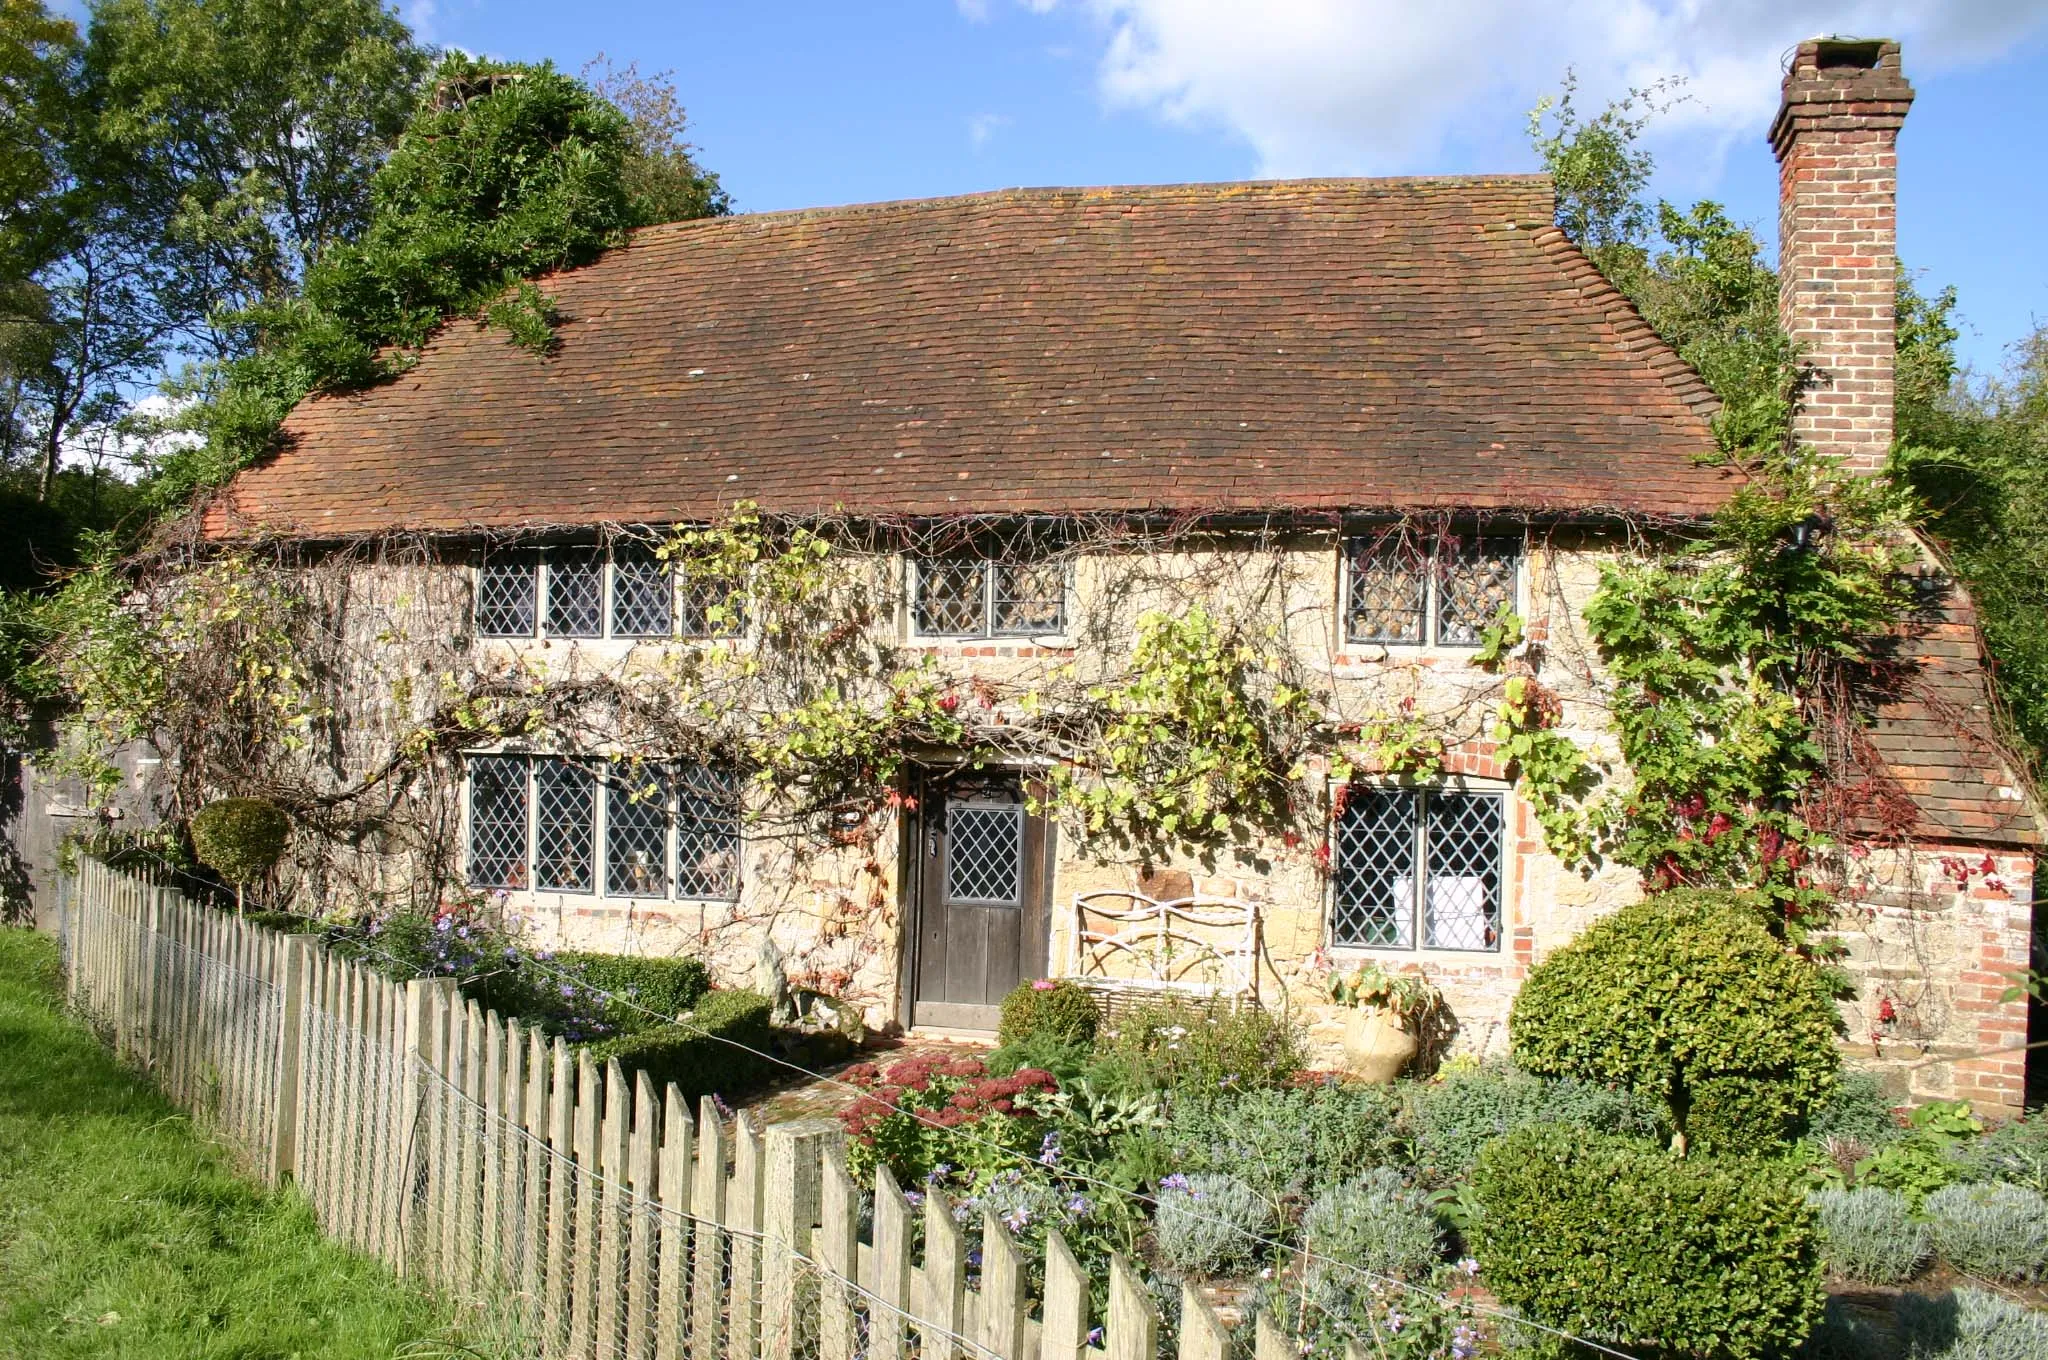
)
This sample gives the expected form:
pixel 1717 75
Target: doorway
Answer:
pixel 977 896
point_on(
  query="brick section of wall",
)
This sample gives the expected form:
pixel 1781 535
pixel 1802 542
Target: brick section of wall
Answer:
pixel 1935 937
pixel 1836 137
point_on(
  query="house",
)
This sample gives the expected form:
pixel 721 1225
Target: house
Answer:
pixel 1369 414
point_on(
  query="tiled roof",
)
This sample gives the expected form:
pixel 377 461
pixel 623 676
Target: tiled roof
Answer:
pixel 1404 344
pixel 1935 737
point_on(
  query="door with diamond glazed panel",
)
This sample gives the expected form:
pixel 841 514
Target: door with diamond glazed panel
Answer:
pixel 979 895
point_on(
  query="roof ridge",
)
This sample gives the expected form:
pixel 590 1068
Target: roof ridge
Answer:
pixel 1185 189
pixel 1636 336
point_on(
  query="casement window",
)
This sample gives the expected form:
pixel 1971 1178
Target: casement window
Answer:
pixel 626 592
pixel 1404 591
pixel 975 597
pixel 1409 863
pixel 612 829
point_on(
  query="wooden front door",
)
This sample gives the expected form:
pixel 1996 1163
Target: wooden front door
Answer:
pixel 979 903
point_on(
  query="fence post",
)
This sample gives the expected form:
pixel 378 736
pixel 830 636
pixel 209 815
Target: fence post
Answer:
pixel 892 1269
pixel 839 1252
pixel 1064 1335
pixel 294 963
pixel 1133 1329
pixel 1267 1342
pixel 676 1226
pixel 1201 1334
pixel 1002 1291
pixel 707 1204
pixel 794 1199
pixel 945 1279
pixel 420 995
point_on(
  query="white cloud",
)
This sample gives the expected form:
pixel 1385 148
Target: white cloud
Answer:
pixel 983 126
pixel 419 16
pixel 1376 86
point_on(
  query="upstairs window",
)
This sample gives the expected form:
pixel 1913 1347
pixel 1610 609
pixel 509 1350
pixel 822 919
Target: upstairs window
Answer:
pixel 978 598
pixel 613 829
pixel 1417 862
pixel 627 592
pixel 1402 591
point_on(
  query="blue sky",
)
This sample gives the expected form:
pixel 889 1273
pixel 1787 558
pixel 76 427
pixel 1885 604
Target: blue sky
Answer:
pixel 804 102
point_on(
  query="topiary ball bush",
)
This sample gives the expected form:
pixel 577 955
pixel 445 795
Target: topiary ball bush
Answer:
pixel 1044 1008
pixel 240 839
pixel 1871 1236
pixel 1210 1224
pixel 1613 1237
pixel 1687 997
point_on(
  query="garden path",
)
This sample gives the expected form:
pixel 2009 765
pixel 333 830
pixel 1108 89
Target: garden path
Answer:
pixel 822 1097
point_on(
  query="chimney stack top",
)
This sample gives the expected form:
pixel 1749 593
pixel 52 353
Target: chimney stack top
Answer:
pixel 1841 83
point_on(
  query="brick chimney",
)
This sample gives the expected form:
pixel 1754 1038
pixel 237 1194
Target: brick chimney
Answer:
pixel 1836 135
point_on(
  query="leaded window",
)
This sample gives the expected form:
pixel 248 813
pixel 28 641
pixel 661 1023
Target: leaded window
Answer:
pixel 507 594
pixel 636 824
pixel 707 832
pixel 564 825
pixel 985 854
pixel 643 592
pixel 497 821
pixel 575 594
pixel 976 597
pixel 713 605
pixel 1399 590
pixel 1417 861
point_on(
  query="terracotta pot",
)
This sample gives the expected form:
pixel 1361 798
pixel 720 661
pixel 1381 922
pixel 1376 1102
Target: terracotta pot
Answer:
pixel 1377 1047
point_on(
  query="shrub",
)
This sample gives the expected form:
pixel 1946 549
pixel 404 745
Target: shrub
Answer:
pixel 2015 1151
pixel 1686 996
pixel 1970 1324
pixel 1210 1224
pixel 1184 1044
pixel 1377 1224
pixel 693 1055
pixel 1914 1166
pixel 1857 1110
pixel 1284 1142
pixel 1060 1010
pixel 1452 1119
pixel 666 986
pixel 1870 1235
pixel 1608 1236
pixel 240 838
pixel 1996 1231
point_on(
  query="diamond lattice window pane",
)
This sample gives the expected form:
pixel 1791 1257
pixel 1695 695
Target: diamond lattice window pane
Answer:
pixel 1462 906
pixel 641 593
pixel 985 854
pixel 707 832
pixel 505 590
pixel 1476 579
pixel 564 825
pixel 1385 590
pixel 636 831
pixel 713 606
pixel 1373 902
pixel 949 599
pixel 497 821
pixel 1030 598
pixel 575 595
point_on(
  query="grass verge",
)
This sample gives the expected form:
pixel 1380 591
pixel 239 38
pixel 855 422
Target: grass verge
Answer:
pixel 124 1233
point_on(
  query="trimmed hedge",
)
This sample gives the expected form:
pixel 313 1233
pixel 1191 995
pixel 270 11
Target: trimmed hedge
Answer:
pixel 1688 998
pixel 240 838
pixel 691 1057
pixel 666 986
pixel 1063 1011
pixel 1612 1237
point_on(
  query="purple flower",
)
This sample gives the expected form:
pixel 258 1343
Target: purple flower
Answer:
pixel 1080 1207
pixel 1095 1336
pixel 568 990
pixel 938 1173
pixel 1174 1182
pixel 913 1197
pixel 1017 1218
pixel 1049 1149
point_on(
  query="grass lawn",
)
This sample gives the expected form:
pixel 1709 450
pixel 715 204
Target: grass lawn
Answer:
pixel 123 1232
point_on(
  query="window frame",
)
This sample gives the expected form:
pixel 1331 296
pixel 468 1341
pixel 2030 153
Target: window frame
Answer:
pixel 681 604
pixel 600 771
pixel 913 588
pixel 1416 910
pixel 1431 551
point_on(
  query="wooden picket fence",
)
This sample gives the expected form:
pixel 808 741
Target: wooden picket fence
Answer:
pixel 583 1214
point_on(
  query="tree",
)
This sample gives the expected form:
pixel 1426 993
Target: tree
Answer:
pixel 663 181
pixel 241 136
